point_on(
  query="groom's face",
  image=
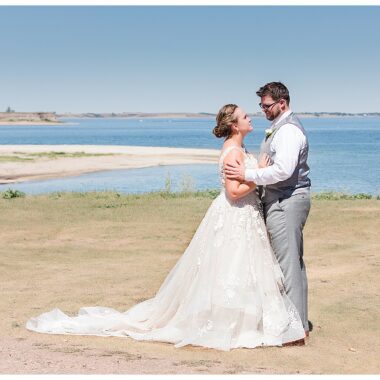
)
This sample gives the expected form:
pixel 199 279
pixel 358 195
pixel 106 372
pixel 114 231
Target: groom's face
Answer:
pixel 270 107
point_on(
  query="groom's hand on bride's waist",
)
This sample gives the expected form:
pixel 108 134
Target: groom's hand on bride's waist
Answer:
pixel 235 171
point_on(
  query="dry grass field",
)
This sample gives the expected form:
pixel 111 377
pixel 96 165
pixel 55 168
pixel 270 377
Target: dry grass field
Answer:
pixel 74 250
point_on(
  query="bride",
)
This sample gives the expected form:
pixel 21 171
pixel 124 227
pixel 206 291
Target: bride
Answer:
pixel 226 291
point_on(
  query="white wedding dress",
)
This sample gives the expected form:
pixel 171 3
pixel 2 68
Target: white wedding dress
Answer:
pixel 224 292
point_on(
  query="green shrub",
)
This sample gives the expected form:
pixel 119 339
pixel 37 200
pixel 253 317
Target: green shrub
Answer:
pixel 10 193
pixel 187 184
pixel 331 195
pixel 168 183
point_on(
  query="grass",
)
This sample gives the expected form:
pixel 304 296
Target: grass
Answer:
pixel 20 156
pixel 14 159
pixel 55 155
pixel 336 196
pixel 69 250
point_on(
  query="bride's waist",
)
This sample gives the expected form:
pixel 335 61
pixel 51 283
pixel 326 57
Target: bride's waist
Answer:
pixel 251 199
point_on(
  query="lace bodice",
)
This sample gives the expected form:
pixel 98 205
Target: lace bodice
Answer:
pixel 250 161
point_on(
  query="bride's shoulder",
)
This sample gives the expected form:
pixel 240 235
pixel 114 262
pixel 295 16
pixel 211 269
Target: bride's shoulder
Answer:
pixel 231 152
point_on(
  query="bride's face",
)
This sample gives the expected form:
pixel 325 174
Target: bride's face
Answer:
pixel 243 124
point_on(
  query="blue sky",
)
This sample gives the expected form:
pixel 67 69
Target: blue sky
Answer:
pixel 188 59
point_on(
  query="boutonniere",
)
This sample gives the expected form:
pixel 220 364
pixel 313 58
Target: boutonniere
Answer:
pixel 268 132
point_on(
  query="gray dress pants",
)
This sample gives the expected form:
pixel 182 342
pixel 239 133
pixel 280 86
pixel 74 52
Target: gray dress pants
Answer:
pixel 285 220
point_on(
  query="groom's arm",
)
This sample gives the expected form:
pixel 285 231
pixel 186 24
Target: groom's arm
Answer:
pixel 287 143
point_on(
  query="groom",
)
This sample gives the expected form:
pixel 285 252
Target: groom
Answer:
pixel 286 190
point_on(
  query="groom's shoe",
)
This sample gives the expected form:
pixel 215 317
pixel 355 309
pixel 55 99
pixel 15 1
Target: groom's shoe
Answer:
pixel 310 326
pixel 300 342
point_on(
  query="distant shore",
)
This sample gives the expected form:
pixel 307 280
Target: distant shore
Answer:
pixel 32 123
pixel 20 163
pixel 59 119
pixel 29 118
pixel 202 115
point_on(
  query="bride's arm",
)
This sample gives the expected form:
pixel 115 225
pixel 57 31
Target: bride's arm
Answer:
pixel 234 188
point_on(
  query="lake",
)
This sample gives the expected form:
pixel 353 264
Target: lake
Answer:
pixel 344 152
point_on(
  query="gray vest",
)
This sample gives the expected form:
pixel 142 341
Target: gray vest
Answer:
pixel 299 181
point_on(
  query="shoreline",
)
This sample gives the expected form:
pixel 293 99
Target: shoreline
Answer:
pixel 10 123
pixel 63 119
pixel 94 158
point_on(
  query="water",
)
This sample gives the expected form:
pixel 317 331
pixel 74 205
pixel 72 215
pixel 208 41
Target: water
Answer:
pixel 344 152
pixel 181 177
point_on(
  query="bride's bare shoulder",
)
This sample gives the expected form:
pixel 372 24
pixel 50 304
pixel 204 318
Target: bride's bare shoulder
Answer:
pixel 233 154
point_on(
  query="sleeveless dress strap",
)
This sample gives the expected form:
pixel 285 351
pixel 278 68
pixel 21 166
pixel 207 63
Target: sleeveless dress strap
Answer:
pixel 228 150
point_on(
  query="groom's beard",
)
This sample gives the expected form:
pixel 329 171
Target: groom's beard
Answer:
pixel 271 115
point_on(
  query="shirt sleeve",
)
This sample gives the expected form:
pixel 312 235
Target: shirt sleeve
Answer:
pixel 286 145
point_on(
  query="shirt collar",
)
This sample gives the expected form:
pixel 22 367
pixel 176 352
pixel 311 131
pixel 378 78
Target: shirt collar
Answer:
pixel 281 117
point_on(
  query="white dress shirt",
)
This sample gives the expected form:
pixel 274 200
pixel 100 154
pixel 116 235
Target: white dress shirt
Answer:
pixel 286 146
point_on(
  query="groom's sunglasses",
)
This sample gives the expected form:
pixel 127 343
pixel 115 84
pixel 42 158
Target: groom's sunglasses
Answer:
pixel 267 106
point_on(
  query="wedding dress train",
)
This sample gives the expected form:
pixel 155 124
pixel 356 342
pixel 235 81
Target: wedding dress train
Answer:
pixel 226 291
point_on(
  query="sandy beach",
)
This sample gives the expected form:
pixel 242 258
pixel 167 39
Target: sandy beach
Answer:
pixel 20 163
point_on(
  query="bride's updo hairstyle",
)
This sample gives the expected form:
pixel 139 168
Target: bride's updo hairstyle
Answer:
pixel 224 121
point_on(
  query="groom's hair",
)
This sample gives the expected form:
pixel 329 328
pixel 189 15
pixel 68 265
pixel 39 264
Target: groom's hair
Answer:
pixel 276 90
